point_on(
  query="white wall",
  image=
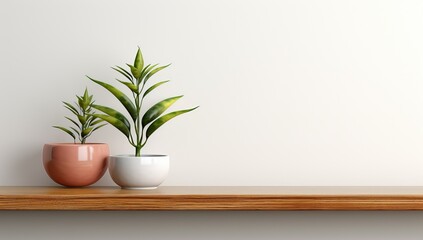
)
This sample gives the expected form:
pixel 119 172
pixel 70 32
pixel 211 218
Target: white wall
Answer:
pixel 291 92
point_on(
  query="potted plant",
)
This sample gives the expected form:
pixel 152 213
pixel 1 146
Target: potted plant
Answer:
pixel 79 163
pixel 138 171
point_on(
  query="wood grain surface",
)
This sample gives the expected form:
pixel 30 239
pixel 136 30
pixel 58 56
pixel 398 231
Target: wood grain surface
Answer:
pixel 212 198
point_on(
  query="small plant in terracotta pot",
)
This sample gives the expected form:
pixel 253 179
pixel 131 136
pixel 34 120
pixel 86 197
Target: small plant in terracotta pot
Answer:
pixel 77 164
pixel 138 171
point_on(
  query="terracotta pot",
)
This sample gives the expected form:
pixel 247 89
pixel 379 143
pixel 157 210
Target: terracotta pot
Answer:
pixel 75 165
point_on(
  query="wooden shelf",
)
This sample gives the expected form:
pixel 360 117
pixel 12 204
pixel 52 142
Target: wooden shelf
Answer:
pixel 212 198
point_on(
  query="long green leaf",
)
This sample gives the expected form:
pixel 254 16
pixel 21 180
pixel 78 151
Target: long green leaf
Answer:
pixel 147 69
pixel 71 108
pixel 150 74
pixel 139 60
pixel 157 109
pixel 86 131
pixel 87 99
pixel 163 119
pixel 135 71
pixel 115 122
pixel 99 126
pixel 66 131
pixel 113 113
pixel 96 122
pixel 76 131
pixel 123 72
pixel 82 119
pixel 131 86
pixel 83 104
pixel 70 119
pixel 126 102
pixel 153 87
pixel 90 119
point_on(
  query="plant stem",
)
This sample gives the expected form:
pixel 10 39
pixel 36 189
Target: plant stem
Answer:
pixel 140 105
pixel 83 126
pixel 138 127
pixel 138 151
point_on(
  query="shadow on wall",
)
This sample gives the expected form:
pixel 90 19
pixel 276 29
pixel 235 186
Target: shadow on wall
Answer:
pixel 211 225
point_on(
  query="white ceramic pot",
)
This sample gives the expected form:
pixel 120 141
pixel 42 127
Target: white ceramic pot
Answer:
pixel 145 172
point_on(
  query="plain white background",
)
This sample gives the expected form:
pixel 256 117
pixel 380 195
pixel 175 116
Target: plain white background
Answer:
pixel 290 93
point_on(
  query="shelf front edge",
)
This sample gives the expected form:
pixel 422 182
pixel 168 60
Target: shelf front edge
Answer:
pixel 193 202
pixel 213 198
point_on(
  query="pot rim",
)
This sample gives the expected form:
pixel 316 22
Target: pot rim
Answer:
pixel 142 155
pixel 74 144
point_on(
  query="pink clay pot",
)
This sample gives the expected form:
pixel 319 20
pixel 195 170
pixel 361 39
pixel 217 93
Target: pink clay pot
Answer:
pixel 75 165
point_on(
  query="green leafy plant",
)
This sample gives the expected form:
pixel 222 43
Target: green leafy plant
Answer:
pixel 86 122
pixel 142 127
